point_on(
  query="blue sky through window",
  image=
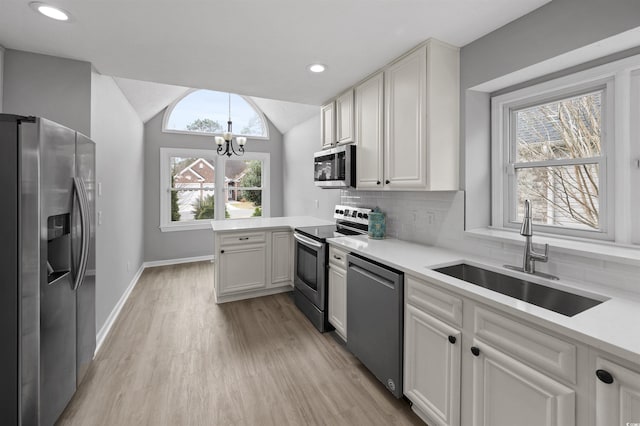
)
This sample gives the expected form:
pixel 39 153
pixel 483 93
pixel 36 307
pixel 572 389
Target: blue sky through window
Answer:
pixel 203 104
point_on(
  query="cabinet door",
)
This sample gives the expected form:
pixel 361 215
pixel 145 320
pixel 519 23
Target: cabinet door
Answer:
pixel 281 257
pixel 242 268
pixel 328 125
pixel 618 402
pixel 405 126
pixel 338 300
pixel 369 115
pixel 344 118
pixel 432 367
pixel 507 392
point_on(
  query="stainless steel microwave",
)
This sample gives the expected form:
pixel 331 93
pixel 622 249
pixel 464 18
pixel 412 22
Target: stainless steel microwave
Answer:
pixel 335 168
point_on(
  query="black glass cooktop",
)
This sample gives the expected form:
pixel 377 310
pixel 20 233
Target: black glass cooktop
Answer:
pixel 321 233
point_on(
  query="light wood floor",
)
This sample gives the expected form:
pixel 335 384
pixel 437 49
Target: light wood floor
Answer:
pixel 174 357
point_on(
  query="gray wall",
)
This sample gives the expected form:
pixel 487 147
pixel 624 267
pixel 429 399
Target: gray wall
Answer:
pixel 300 194
pixel 68 92
pixel 1 75
pixel 118 133
pixel 160 245
pixel 55 88
pixel 554 29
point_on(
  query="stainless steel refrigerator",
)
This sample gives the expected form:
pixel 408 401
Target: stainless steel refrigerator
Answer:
pixel 47 265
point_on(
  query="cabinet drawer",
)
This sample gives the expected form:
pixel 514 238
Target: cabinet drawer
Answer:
pixel 546 352
pixel 242 238
pixel 441 304
pixel 338 257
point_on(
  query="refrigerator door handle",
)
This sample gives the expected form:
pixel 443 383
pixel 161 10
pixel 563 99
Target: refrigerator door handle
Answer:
pixel 80 193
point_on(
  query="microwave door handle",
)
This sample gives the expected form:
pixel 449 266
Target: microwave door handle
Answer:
pixel 307 241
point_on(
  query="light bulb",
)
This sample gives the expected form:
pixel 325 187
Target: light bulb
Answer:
pixel 219 140
pixel 241 140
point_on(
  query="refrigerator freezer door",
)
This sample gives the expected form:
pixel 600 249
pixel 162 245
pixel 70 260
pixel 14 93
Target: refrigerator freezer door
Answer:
pixel 86 293
pixel 57 300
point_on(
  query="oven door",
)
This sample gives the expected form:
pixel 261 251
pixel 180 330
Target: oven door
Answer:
pixel 310 269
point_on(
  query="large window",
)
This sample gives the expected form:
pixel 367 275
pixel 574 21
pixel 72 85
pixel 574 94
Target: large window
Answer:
pixel 556 145
pixel 207 111
pixel 190 196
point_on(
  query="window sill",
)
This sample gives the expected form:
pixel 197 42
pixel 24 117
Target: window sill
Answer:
pixel 599 250
pixel 205 224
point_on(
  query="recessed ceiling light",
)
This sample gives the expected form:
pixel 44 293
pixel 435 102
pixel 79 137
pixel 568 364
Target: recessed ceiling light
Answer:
pixel 49 11
pixel 317 68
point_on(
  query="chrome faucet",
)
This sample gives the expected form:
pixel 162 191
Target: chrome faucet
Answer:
pixel 530 255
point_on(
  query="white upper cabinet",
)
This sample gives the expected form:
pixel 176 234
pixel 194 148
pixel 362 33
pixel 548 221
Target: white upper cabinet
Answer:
pixel 405 110
pixel 328 125
pixel 406 122
pixel 369 116
pixel 344 118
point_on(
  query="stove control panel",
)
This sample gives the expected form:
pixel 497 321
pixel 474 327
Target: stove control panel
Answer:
pixel 352 214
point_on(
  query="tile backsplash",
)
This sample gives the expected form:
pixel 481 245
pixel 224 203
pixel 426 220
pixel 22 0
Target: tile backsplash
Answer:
pixel 437 218
pixel 410 216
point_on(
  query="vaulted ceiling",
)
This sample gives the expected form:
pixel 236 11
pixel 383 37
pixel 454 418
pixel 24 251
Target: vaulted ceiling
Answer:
pixel 251 47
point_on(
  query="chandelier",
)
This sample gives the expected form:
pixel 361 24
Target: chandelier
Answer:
pixel 225 142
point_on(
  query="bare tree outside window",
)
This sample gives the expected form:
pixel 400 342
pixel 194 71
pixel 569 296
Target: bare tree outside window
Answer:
pixel 556 160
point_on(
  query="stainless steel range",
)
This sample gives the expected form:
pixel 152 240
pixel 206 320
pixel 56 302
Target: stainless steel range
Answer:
pixel 311 255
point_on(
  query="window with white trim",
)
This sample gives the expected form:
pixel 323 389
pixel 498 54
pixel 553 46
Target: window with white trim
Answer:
pixel 190 196
pixel 566 145
pixel 207 111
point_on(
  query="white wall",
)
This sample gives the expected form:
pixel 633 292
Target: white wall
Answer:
pixel 300 193
pixel 118 134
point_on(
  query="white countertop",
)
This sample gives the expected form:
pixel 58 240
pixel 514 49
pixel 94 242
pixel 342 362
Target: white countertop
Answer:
pixel 264 223
pixel 609 326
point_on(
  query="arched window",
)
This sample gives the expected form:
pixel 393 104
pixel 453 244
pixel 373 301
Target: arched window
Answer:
pixel 207 111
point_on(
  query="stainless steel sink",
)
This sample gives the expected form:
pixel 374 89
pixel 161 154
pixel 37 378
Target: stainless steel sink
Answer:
pixel 559 301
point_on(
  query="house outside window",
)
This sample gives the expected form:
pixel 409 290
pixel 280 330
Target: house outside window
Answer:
pixel 190 196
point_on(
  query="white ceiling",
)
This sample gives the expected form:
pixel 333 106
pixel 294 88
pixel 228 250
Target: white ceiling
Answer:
pixel 251 47
pixel 147 98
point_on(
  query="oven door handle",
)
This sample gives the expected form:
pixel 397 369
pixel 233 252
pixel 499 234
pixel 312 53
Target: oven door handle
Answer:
pixel 307 241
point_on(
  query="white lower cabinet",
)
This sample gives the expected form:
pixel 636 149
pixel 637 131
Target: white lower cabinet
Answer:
pixel 432 367
pixel 338 300
pixel 338 290
pixel 252 263
pixel 617 394
pixel 242 268
pixel 281 257
pixel 507 392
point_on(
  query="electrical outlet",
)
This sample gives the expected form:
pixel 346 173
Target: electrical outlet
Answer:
pixel 316 203
pixel 128 266
pixel 99 189
pixel 100 217
pixel 431 218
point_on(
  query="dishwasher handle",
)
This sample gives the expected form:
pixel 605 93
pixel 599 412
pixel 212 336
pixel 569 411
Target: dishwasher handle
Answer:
pixel 372 276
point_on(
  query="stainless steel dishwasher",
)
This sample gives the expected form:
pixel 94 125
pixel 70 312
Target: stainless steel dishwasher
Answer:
pixel 375 298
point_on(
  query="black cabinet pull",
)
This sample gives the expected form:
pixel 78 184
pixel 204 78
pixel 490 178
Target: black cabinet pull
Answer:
pixel 387 181
pixel 475 350
pixel 378 183
pixel 452 339
pixel 221 251
pixel 243 238
pixel 604 376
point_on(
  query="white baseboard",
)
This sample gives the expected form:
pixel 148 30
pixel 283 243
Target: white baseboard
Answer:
pixel 154 263
pixel 106 328
pixel 111 319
